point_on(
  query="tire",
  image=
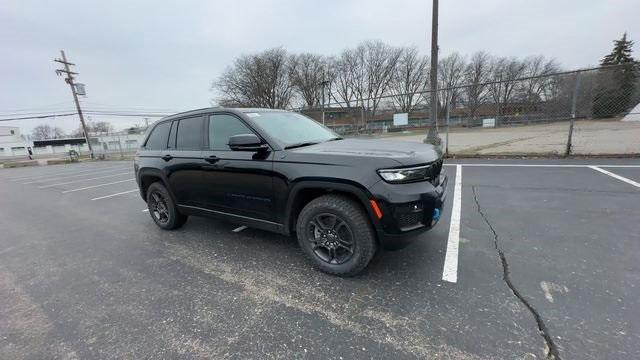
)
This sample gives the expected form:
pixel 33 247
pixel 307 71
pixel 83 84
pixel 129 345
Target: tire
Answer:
pixel 162 209
pixel 344 249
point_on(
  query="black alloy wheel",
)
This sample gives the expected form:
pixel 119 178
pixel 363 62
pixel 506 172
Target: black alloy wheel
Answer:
pixel 332 238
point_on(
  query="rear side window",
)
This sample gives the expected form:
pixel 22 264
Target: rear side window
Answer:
pixel 158 138
pixel 222 127
pixel 189 136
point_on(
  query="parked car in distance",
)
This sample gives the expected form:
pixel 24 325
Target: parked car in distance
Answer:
pixel 281 171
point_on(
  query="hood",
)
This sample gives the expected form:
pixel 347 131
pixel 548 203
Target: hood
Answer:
pixel 402 152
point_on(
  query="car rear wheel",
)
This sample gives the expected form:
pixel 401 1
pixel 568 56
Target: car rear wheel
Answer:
pixel 335 233
pixel 162 209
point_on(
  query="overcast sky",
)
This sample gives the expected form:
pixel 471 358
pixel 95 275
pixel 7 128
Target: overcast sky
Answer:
pixel 152 55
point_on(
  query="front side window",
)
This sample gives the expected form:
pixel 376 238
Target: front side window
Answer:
pixel 222 127
pixel 189 135
pixel 158 138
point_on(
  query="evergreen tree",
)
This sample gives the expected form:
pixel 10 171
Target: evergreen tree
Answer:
pixel 617 91
pixel 621 53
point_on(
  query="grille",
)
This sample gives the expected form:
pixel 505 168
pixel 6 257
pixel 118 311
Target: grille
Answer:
pixel 408 219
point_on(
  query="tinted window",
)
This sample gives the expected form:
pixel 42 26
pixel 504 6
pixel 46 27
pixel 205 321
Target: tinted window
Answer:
pixel 158 138
pixel 189 135
pixel 222 127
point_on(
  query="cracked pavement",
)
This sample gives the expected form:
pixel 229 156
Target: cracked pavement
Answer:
pixel 551 350
pixel 547 267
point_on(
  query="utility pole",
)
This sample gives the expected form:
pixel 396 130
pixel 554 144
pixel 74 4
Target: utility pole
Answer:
pixel 323 84
pixel 432 134
pixel 69 80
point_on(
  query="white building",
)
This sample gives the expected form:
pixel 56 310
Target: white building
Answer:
pixel 12 143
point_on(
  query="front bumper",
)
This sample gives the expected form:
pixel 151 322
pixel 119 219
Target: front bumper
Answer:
pixel 408 209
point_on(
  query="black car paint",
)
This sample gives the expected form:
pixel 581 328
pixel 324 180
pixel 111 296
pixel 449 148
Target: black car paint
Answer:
pixel 260 189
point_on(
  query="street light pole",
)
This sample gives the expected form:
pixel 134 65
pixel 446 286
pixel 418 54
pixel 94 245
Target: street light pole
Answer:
pixel 323 85
pixel 432 134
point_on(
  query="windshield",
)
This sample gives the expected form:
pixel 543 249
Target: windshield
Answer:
pixel 291 128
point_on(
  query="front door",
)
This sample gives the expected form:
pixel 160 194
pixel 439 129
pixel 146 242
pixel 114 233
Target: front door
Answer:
pixel 235 182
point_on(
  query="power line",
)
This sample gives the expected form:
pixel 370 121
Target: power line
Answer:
pixel 89 112
pixel 38 117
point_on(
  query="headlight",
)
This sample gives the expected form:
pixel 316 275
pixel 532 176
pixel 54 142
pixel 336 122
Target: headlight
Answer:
pixel 404 175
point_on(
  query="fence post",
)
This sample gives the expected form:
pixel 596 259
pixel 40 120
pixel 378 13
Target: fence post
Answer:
pixel 446 149
pixel 574 102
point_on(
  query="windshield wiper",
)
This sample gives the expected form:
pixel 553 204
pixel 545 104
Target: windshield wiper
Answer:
pixel 306 143
pixel 336 138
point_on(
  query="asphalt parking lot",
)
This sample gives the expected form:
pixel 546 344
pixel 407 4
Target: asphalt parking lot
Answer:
pixel 537 257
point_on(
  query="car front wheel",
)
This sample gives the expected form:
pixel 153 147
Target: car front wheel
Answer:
pixel 335 233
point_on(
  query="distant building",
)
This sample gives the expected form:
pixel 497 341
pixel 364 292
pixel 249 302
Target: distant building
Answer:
pixel 12 143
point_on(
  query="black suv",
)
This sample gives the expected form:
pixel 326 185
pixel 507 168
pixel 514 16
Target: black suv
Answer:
pixel 282 171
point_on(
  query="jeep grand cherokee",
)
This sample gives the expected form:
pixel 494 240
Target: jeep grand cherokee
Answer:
pixel 284 172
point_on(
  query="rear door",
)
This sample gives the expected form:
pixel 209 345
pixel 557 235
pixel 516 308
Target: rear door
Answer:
pixel 155 147
pixel 236 182
pixel 184 158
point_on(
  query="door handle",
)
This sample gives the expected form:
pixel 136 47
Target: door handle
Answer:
pixel 212 159
pixel 167 157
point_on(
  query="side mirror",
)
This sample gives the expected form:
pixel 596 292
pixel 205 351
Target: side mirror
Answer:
pixel 247 142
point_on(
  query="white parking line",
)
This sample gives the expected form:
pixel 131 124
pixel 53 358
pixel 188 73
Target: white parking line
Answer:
pixel 616 176
pixel 546 165
pixel 95 186
pixel 82 180
pixel 239 228
pixel 39 170
pixel 41 175
pixel 450 270
pixel 71 176
pixel 116 194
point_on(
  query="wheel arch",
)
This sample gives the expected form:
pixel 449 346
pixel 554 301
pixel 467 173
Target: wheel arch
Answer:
pixel 306 190
pixel 148 176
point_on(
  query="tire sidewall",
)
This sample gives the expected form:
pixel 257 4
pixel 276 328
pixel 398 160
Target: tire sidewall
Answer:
pixel 173 212
pixel 363 248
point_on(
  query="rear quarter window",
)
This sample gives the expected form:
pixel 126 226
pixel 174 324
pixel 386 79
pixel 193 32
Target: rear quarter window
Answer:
pixel 158 138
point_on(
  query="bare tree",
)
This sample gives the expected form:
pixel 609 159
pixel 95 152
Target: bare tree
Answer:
pixel 504 76
pixel 343 89
pixel 450 76
pixel 476 75
pixel 538 85
pixel 260 80
pixel 379 62
pixel 307 73
pixel 46 131
pixel 102 127
pixel 409 77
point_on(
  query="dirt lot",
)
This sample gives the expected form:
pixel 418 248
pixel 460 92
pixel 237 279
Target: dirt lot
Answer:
pixel 590 138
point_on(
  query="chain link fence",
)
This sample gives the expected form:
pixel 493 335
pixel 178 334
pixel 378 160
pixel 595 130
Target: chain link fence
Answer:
pixel 589 112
